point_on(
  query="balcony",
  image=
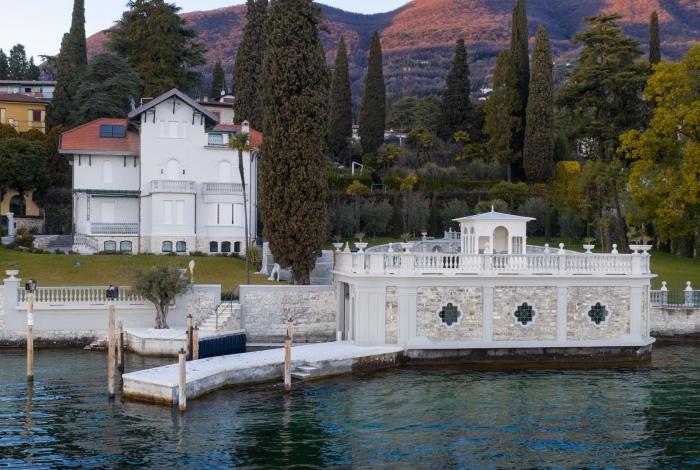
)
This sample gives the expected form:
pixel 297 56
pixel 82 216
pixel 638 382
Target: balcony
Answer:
pixel 173 186
pixel 120 228
pixel 222 188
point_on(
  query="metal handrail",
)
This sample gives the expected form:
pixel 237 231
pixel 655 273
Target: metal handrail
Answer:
pixel 675 299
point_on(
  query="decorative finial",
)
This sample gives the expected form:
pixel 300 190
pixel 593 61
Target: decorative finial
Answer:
pixel 493 209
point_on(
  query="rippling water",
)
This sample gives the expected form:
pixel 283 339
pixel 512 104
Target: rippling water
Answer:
pixel 428 417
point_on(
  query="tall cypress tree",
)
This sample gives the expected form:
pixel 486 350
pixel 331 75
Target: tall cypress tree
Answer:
pixel 218 81
pixel 18 64
pixel 654 40
pixel 33 71
pixel 456 112
pixel 246 70
pixel 4 66
pixel 340 128
pixel 539 135
pixel 520 62
pixel 294 91
pixel 70 67
pixel 373 106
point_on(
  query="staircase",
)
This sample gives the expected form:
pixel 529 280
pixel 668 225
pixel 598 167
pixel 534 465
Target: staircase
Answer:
pixel 224 311
pixel 62 243
pixel 306 371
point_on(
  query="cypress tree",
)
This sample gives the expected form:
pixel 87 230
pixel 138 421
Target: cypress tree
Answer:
pixel 456 110
pixel 654 41
pixel 18 64
pixel 520 62
pixel 246 69
pixel 70 67
pixel 155 41
pixel 340 128
pixel 4 66
pixel 373 106
pixel 539 135
pixel 294 92
pixel 32 70
pixel 218 81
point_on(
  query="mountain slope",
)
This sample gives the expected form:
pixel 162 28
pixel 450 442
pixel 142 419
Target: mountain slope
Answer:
pixel 418 38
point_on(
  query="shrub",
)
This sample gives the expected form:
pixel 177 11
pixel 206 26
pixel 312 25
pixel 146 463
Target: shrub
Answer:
pixel 481 170
pixel 499 205
pixel 535 207
pixel 513 193
pixel 340 220
pixel 453 209
pixel 24 238
pixel 571 225
pixel 376 216
pixel 418 214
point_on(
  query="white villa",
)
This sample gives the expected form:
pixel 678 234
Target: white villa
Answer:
pixel 162 181
pixel 484 293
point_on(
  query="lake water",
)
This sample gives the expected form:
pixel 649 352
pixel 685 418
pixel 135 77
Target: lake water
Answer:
pixel 427 417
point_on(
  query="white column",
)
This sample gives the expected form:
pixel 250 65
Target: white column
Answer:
pixel 488 313
pixel 636 312
pixel 562 306
pixel 11 286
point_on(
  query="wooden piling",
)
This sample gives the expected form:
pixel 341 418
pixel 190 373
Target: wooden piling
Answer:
pixel 111 316
pixel 288 357
pixel 30 336
pixel 120 347
pixel 188 343
pixel 182 392
pixel 195 343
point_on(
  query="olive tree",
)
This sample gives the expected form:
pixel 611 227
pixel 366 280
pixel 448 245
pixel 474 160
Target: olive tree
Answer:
pixel 161 285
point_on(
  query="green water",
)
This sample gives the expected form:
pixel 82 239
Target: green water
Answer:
pixel 646 417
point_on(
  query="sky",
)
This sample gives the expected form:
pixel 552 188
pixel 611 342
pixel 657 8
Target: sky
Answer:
pixel 40 24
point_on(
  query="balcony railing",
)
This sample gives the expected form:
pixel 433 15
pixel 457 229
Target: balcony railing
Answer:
pixel 422 264
pixel 172 186
pixel 675 299
pixel 222 188
pixel 124 228
pixel 78 295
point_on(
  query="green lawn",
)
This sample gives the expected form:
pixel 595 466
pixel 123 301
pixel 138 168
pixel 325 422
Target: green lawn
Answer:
pixel 98 270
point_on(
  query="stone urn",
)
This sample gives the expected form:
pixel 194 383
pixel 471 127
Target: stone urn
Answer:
pixel 406 246
pixel 589 248
pixel 338 247
pixel 361 246
pixel 12 273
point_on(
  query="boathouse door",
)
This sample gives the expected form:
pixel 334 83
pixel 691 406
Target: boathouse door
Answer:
pixel 344 315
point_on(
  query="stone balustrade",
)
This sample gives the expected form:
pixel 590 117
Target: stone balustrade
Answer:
pixel 118 228
pixel 222 188
pixel 173 186
pixel 76 297
pixel 555 263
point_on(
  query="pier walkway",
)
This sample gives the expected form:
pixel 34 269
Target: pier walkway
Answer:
pixel 160 385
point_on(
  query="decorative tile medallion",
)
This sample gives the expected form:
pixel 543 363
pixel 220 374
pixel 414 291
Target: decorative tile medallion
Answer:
pixel 449 314
pixel 598 313
pixel 524 313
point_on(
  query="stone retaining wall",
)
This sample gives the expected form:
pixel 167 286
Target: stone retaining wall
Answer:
pixel 265 309
pixel 667 322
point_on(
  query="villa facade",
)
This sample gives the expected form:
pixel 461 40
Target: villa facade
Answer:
pixel 162 181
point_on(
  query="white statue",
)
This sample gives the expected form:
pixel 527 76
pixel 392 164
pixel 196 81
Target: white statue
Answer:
pixel 275 275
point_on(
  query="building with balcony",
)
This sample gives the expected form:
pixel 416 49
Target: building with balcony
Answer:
pixel 23 112
pixel 42 89
pixel 162 181
pixel 486 294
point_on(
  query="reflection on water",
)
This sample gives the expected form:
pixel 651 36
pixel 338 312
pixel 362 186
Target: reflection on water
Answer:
pixel 644 417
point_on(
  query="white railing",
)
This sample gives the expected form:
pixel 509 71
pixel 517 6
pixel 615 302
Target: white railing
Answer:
pixel 78 295
pixel 418 264
pixel 120 228
pixel 172 186
pixel 222 188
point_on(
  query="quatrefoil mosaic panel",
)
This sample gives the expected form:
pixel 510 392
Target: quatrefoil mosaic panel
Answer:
pixel 449 314
pixel 598 313
pixel 524 313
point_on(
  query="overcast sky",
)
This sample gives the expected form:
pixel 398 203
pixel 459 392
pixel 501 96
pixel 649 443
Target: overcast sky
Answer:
pixel 40 24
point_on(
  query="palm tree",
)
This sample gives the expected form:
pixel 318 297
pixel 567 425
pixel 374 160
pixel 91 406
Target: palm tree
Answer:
pixel 241 142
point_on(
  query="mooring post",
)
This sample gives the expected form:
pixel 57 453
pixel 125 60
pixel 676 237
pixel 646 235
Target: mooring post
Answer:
pixel 30 336
pixel 111 319
pixel 195 343
pixel 188 333
pixel 120 347
pixel 182 392
pixel 288 357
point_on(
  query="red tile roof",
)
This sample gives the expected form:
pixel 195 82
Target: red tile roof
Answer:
pixel 18 98
pixel 86 139
pixel 256 137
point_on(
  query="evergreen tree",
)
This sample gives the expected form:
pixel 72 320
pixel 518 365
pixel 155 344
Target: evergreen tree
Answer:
pixel 373 106
pixel 539 133
pixel 156 42
pixel 70 67
pixel 520 62
pixel 456 106
pixel 218 82
pixel 247 68
pixel 32 70
pixel 500 108
pixel 108 88
pixel 654 41
pixel 340 129
pixel 295 100
pixel 4 66
pixel 18 64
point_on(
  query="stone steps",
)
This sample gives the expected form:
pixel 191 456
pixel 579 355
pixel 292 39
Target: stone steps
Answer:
pixel 225 311
pixel 306 371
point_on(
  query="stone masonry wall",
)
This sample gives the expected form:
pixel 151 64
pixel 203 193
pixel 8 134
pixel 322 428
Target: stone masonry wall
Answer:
pixel 392 312
pixel 431 300
pixel 265 309
pixel 580 300
pixel 675 322
pixel 506 326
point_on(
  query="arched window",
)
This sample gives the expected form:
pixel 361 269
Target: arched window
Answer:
pixel 18 206
pixel 167 247
pixel 237 247
pixel 110 246
pixel 125 247
pixel 181 247
pixel 107 177
pixel 213 247
pixel 173 170
pixel 226 247
pixel 225 172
